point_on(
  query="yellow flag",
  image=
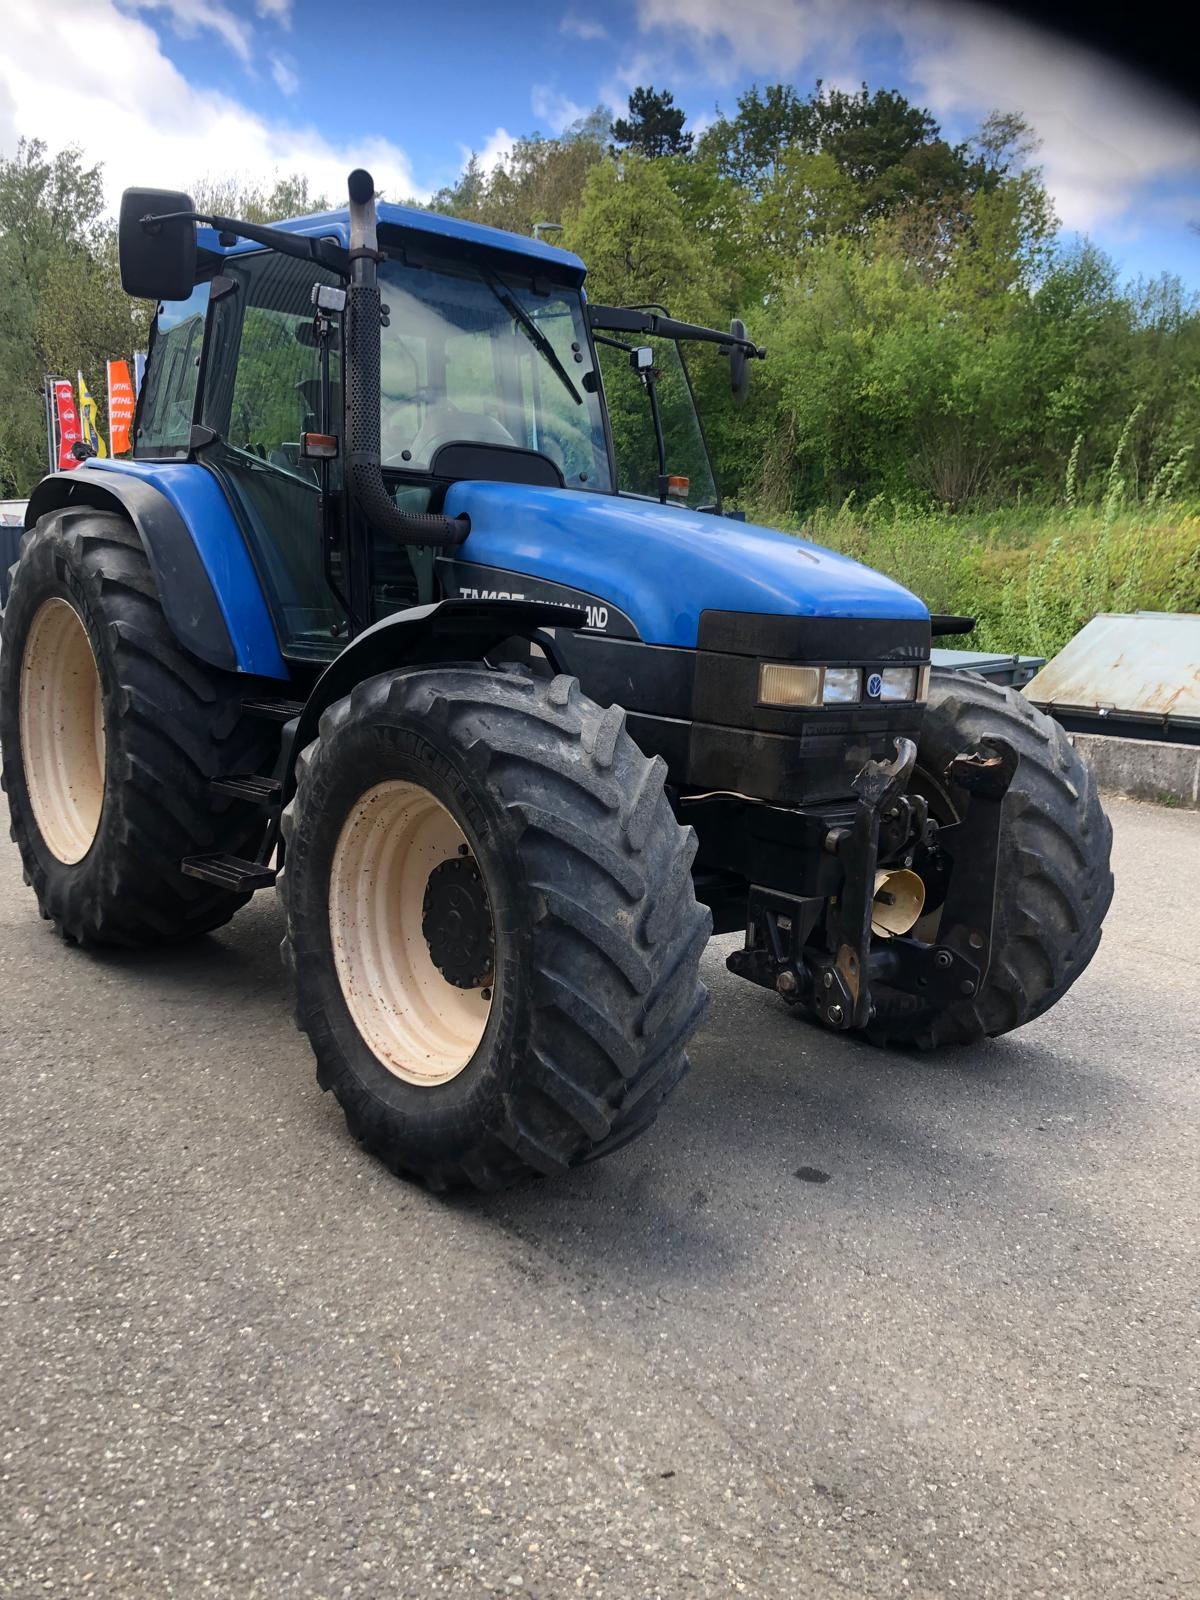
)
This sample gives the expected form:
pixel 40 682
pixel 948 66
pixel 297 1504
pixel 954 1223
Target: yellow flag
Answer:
pixel 87 420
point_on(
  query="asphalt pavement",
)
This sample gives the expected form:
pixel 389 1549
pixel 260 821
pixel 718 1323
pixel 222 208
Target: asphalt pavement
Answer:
pixel 842 1324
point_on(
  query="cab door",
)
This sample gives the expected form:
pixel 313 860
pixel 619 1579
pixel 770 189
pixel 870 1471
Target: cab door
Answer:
pixel 262 389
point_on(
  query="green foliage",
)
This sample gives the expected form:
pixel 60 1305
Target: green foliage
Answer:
pixel 1020 426
pixel 251 201
pixel 654 126
pixel 631 228
pixel 63 306
pixel 1032 578
pixel 539 180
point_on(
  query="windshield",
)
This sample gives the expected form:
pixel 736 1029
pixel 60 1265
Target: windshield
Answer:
pixel 486 360
pixel 632 422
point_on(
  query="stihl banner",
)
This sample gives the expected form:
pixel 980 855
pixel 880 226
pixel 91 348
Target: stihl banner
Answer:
pixel 120 407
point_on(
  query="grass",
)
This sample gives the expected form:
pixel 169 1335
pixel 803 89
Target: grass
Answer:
pixel 1032 575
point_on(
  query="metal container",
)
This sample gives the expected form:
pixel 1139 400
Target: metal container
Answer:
pixel 1136 676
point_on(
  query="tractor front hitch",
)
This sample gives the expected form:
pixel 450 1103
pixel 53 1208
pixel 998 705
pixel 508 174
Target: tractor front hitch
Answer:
pixel 843 998
pixel 835 983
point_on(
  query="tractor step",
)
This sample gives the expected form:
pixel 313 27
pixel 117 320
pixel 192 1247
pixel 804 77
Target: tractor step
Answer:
pixel 270 710
pixel 247 786
pixel 229 872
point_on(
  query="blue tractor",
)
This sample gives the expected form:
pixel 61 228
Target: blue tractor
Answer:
pixel 417 601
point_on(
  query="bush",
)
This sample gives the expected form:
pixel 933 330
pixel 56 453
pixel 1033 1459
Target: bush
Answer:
pixel 1032 577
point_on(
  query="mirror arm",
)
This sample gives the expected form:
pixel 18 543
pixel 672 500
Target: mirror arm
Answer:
pixel 303 247
pixel 627 319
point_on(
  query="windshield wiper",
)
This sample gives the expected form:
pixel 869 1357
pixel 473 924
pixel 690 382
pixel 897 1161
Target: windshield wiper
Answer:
pixel 534 334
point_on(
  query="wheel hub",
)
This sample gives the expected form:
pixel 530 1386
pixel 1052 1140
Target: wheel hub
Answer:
pixel 457 923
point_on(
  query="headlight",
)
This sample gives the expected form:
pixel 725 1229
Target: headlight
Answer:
pixel 780 684
pixel 843 686
pixel 899 683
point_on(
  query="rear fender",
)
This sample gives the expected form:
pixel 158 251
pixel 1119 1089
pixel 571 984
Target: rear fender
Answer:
pixel 447 630
pixel 188 539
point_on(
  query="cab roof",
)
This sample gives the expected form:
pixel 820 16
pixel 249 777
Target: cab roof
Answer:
pixel 453 231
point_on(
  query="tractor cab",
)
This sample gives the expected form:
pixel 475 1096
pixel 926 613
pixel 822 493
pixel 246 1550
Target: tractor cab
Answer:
pixel 491 365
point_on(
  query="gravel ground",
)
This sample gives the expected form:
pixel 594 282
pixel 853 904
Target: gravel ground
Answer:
pixel 842 1324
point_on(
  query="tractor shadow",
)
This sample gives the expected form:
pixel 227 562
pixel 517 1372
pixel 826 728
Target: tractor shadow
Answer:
pixel 783 1134
pixel 239 962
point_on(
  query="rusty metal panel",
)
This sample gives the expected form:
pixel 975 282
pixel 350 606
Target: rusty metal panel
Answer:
pixel 1143 668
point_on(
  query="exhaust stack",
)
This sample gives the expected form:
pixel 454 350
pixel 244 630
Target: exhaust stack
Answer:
pixel 363 464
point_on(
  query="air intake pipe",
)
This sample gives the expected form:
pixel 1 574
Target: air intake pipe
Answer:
pixel 363 463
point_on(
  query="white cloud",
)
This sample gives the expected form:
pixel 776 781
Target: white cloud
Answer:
pixel 276 10
pixel 147 124
pixel 495 151
pixel 556 110
pixel 189 17
pixel 638 69
pixel 585 28
pixel 1105 134
pixel 287 79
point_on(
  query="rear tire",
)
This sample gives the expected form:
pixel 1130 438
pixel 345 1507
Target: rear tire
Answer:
pixel 588 989
pixel 1053 884
pixel 104 816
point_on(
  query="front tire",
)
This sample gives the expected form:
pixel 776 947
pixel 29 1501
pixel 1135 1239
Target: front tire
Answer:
pixel 1053 882
pixel 491 924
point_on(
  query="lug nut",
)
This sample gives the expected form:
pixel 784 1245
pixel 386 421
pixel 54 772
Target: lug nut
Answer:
pixel 967 986
pixel 835 1015
pixel 786 983
pixel 827 980
pixel 942 959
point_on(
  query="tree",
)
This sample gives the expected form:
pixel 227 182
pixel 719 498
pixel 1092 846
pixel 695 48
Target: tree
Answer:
pixel 248 200
pixel 748 147
pixel 630 228
pixel 654 126
pixel 60 288
pixel 536 182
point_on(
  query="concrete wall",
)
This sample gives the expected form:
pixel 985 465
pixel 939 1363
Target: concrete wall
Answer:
pixel 1145 769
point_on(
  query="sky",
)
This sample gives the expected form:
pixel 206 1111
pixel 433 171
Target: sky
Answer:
pixel 168 91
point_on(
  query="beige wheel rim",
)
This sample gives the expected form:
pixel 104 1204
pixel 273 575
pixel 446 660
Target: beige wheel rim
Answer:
pixel 422 1027
pixel 62 731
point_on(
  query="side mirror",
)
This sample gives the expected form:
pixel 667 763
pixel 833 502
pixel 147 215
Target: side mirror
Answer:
pixel 158 259
pixel 739 363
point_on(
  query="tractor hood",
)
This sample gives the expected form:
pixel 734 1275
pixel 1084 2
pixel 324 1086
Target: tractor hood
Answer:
pixel 661 565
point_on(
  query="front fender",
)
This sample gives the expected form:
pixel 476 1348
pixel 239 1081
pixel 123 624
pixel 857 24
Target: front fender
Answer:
pixel 447 630
pixel 210 592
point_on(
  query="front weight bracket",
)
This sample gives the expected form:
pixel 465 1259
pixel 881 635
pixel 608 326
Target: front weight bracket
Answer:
pixel 876 786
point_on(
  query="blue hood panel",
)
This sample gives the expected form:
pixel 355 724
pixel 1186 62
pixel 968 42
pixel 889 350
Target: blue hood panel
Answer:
pixel 663 565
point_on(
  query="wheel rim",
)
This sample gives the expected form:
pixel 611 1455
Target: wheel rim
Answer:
pixel 421 1026
pixel 62 730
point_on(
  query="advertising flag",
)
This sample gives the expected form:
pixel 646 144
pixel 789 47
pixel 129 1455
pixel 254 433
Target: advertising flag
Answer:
pixel 87 420
pixel 120 407
pixel 67 420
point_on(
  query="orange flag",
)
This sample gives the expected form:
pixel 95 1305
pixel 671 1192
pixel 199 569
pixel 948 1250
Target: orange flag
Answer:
pixel 120 407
